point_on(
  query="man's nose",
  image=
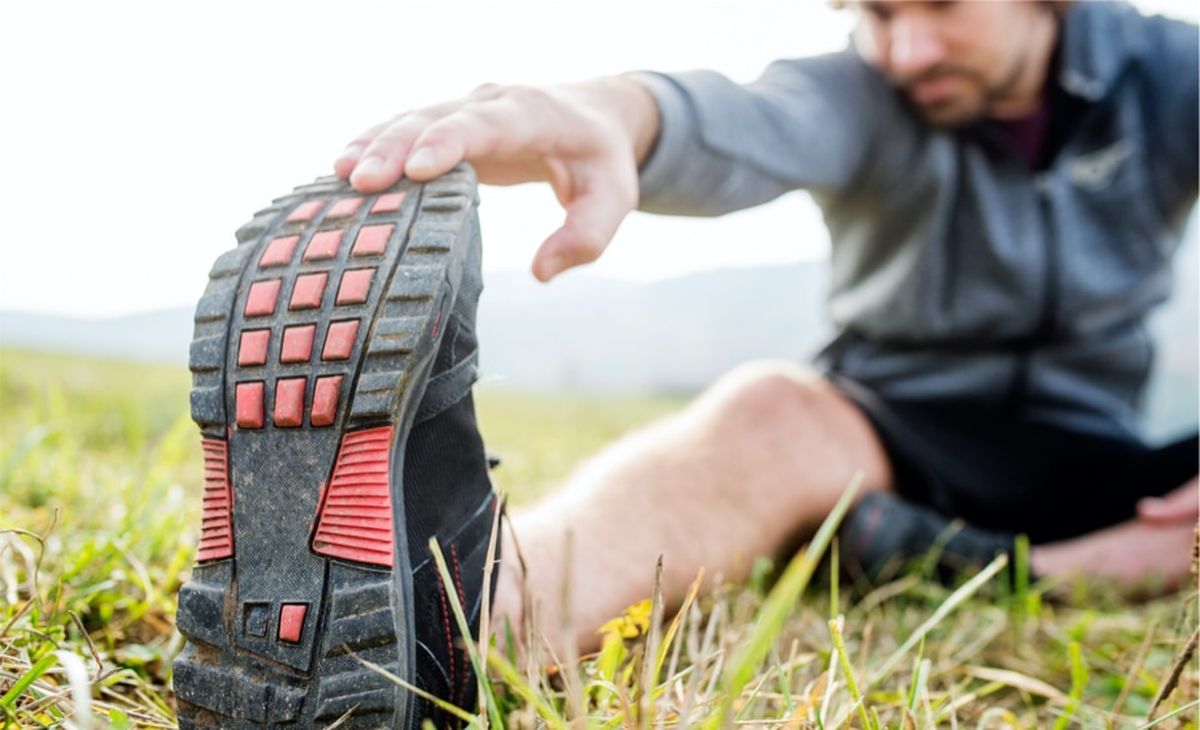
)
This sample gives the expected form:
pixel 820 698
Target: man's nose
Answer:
pixel 915 46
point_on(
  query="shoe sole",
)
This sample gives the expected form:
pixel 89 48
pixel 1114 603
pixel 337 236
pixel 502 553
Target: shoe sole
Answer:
pixel 312 346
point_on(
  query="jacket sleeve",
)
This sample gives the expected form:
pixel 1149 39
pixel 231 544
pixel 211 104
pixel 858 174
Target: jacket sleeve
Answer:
pixel 805 123
pixel 1172 63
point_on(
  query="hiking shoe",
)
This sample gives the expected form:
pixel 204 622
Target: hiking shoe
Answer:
pixel 884 534
pixel 332 363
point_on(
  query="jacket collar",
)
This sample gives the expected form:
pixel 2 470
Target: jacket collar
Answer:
pixel 1098 42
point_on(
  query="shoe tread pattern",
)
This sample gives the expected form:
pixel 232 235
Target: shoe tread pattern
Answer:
pixel 218 682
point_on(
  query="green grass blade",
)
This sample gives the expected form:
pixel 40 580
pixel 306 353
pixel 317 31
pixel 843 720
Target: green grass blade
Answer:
pixel 464 630
pixel 1079 680
pixel 1173 713
pixel 835 604
pixel 518 684
pixel 835 631
pixel 28 678
pixel 1020 570
pixel 448 707
pixel 957 597
pixel 776 608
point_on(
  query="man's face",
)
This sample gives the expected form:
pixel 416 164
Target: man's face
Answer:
pixel 956 61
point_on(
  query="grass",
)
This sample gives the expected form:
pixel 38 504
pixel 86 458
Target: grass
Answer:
pixel 99 501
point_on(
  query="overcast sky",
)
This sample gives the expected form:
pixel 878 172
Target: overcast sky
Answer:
pixel 137 136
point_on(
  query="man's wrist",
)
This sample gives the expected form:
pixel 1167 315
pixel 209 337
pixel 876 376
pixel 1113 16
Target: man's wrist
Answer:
pixel 628 103
pixel 642 117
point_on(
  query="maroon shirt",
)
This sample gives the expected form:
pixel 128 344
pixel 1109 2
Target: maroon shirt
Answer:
pixel 1029 135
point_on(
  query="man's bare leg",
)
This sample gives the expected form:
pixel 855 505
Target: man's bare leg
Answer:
pixel 758 458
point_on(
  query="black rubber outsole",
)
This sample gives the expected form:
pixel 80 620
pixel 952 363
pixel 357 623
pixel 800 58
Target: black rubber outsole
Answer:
pixel 313 343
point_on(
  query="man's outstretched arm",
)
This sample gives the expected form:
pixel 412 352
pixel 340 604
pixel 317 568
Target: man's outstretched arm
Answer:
pixel 585 139
pixel 686 144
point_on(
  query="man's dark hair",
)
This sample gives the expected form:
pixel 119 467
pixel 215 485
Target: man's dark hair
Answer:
pixel 1058 7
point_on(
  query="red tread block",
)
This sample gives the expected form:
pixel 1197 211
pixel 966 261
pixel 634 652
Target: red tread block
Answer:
pixel 278 252
pixel 324 245
pixel 306 211
pixel 308 291
pixel 216 528
pixel 355 285
pixel 389 203
pixel 289 402
pixel 339 340
pixel 344 208
pixel 291 621
pixel 249 397
pixel 297 343
pixel 326 394
pixel 371 240
pixel 260 302
pixel 353 477
pixel 252 348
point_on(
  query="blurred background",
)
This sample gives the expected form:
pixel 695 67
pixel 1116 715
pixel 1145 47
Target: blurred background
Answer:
pixel 138 136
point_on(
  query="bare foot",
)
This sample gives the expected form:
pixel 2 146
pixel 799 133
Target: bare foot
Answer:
pixel 1132 554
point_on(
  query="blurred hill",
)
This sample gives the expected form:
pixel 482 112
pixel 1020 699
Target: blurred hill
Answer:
pixel 583 333
pixel 591 334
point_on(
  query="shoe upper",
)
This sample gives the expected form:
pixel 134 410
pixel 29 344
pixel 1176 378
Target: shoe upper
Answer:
pixel 885 533
pixel 448 495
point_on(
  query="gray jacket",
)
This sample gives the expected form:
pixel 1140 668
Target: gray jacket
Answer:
pixel 957 271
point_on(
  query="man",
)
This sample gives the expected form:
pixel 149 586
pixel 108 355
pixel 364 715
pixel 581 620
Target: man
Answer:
pixel 1004 184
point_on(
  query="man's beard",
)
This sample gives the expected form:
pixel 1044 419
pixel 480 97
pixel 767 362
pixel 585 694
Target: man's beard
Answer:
pixel 959 110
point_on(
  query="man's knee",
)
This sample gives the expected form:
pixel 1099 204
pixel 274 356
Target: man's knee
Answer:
pixel 770 394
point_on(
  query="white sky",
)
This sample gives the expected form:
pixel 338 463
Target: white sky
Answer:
pixel 137 136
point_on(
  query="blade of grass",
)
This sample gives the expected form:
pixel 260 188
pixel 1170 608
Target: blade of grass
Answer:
pixel 448 707
pixel 1177 668
pixel 1023 682
pixel 1177 711
pixel 919 677
pixel 835 631
pixel 485 610
pixel 35 672
pixel 1135 668
pixel 1019 608
pixel 776 608
pixel 1079 679
pixel 518 684
pixel 464 630
pixel 81 688
pixel 669 636
pixel 827 696
pixel 920 680
pixel 650 660
pixel 835 605
pixel 569 668
pixel 957 597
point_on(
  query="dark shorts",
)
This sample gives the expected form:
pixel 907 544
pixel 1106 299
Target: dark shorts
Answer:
pixel 998 470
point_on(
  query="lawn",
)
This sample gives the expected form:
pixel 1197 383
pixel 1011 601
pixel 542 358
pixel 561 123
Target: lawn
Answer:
pixel 100 477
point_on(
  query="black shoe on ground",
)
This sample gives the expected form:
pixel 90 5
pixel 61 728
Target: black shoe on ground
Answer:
pixel 884 533
pixel 333 358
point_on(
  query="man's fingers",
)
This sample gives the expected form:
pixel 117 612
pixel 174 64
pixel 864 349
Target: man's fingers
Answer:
pixel 1180 505
pixel 593 216
pixel 380 162
pixel 346 161
pixel 466 134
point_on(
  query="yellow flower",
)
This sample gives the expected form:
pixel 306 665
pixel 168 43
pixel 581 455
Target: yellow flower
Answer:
pixel 631 624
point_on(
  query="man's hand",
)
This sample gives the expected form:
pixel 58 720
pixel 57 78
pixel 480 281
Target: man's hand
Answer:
pixel 586 140
pixel 1181 505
